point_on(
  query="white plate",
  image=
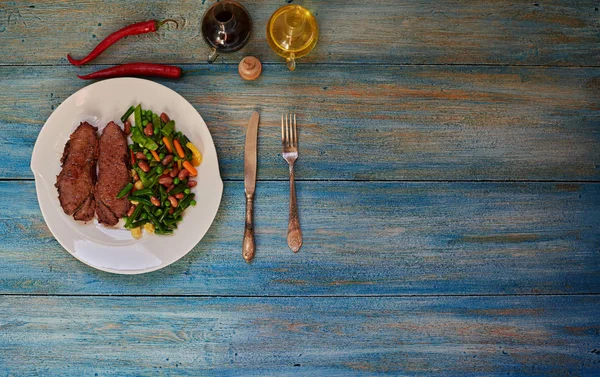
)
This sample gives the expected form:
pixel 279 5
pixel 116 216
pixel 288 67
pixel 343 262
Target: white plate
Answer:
pixel 114 249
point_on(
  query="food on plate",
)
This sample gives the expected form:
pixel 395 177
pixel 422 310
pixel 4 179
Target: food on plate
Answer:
pixel 113 175
pixel 76 181
pixel 146 183
pixel 163 161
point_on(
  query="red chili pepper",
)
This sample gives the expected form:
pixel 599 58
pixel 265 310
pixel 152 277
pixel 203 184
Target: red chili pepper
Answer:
pixel 135 69
pixel 139 28
pixel 132 157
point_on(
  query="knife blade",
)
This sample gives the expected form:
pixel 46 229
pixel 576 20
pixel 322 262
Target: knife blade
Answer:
pixel 248 246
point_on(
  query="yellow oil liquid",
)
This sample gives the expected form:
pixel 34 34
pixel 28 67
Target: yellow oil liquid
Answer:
pixel 292 32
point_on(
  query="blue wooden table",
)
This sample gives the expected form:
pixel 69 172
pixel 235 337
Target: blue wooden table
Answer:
pixel 448 184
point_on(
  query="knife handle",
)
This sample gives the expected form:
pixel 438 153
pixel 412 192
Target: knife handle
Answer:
pixel 248 247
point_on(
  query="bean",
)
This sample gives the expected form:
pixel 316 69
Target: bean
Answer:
pixel 192 183
pixel 131 209
pixel 170 188
pixel 180 196
pixel 155 201
pixel 127 127
pixel 144 166
pixel 174 172
pixel 173 201
pixel 140 156
pixel 149 129
pixel 167 160
pixel 171 211
pixel 183 174
pixel 165 180
pixel 136 177
pixel 164 117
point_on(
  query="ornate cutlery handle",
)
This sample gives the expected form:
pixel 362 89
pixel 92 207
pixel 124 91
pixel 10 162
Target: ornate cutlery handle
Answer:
pixel 294 235
pixel 248 247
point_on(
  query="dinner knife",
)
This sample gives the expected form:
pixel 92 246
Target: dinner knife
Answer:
pixel 248 246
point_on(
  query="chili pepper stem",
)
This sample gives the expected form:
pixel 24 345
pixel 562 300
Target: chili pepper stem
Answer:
pixel 161 23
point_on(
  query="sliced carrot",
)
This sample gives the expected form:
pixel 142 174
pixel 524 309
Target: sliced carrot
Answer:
pixel 155 155
pixel 188 166
pixel 167 144
pixel 178 148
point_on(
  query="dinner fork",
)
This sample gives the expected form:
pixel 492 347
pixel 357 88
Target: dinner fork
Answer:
pixel 289 140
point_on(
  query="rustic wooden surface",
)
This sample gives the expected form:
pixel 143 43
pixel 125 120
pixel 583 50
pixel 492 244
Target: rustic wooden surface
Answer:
pixel 359 336
pixel 449 192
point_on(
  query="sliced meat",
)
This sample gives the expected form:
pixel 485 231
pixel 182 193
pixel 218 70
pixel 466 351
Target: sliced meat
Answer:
pixel 75 183
pixel 87 210
pixel 113 175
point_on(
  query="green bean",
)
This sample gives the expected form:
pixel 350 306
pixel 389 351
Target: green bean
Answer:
pixel 186 201
pixel 138 117
pixel 135 215
pixel 166 231
pixel 178 189
pixel 154 220
pixel 125 190
pixel 127 113
pixel 156 123
pixel 142 192
pixel 164 214
pixel 138 223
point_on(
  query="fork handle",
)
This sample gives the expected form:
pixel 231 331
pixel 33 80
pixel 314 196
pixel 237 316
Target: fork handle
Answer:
pixel 248 246
pixel 294 235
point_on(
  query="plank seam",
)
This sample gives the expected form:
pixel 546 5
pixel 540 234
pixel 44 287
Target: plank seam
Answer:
pixel 232 64
pixel 381 180
pixel 304 296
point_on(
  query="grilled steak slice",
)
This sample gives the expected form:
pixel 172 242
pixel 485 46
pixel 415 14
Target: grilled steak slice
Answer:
pixel 87 209
pixel 75 183
pixel 113 175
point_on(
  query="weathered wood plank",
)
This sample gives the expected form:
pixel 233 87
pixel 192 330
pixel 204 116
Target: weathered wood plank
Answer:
pixel 365 122
pixel 453 336
pixel 360 238
pixel 555 32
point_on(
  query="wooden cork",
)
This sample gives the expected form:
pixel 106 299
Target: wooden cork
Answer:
pixel 250 68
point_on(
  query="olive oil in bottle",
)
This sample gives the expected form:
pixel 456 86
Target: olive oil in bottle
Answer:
pixel 292 33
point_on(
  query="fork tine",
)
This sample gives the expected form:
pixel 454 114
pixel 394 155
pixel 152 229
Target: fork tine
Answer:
pixel 287 130
pixel 295 133
pixel 282 134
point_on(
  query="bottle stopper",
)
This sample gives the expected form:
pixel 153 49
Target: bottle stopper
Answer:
pixel 250 68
